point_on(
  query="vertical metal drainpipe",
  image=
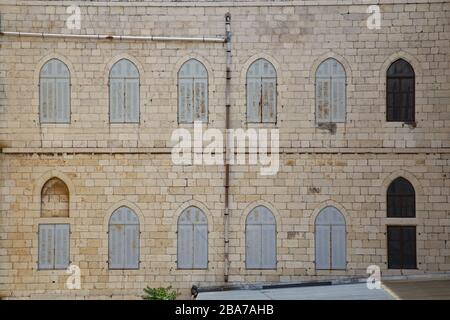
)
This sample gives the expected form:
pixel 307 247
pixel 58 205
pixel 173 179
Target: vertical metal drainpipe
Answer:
pixel 227 126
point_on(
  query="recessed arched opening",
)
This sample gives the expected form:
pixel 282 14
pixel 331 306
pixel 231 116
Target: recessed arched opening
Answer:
pixel 55 199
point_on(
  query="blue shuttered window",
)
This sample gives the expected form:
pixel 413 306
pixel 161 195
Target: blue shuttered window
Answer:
pixel 192 242
pixel 261 92
pixel 124 92
pixel 54 92
pixel 192 92
pixel 54 245
pixel 123 239
pixel 260 239
pixel 330 241
pixel 330 92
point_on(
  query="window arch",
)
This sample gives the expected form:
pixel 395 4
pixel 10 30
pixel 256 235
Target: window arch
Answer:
pixel 192 92
pixel 260 239
pixel 400 92
pixel 192 242
pixel 124 92
pixel 123 239
pixel 330 92
pixel 261 92
pixel 330 237
pixel 54 92
pixel 401 199
pixel 54 199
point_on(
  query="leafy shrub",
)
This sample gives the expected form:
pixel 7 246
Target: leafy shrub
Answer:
pixel 159 293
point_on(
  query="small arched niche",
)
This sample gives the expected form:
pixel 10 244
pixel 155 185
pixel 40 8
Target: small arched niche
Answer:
pixel 54 199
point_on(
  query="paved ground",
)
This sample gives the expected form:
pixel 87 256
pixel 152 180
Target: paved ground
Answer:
pixel 356 291
pixel 410 290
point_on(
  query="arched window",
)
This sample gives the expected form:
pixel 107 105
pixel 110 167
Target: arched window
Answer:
pixel 192 248
pixel 124 92
pixel 54 199
pixel 192 92
pixel 401 199
pixel 330 92
pixel 54 92
pixel 261 92
pixel 260 239
pixel 400 92
pixel 330 240
pixel 123 239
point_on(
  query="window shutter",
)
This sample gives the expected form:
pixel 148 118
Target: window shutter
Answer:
pixel 131 246
pixel 116 96
pixel 192 92
pixel 269 109
pixel 124 243
pixel 192 242
pixel 50 100
pixel 185 106
pixel 51 92
pixel 408 99
pixel 394 247
pixel 62 245
pixel 269 247
pixel 54 92
pixel 400 92
pixel 62 105
pixel 261 250
pixel 124 92
pixel 409 248
pixel 185 246
pixel 200 246
pixel 200 100
pixel 322 247
pixel 323 100
pixel 46 235
pixel 59 100
pixel 338 105
pixel 401 199
pixel 116 246
pixel 45 104
pixel 261 92
pixel 253 100
pixel 338 246
pixel 132 100
pixel 253 246
pixel 402 247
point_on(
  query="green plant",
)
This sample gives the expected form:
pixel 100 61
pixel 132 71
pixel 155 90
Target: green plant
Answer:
pixel 159 293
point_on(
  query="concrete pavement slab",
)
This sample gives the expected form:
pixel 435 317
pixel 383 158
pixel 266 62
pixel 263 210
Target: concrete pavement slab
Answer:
pixel 357 291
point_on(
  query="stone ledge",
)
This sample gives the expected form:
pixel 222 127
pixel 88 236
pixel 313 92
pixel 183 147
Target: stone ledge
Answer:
pixel 208 3
pixel 168 150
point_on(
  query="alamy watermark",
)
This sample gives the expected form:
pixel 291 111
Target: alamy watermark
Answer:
pixel 73 282
pixel 374 280
pixel 73 22
pixel 191 150
pixel 374 20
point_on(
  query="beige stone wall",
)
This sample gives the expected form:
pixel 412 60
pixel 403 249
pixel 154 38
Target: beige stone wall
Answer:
pixel 294 38
pixel 350 168
pixel 158 191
